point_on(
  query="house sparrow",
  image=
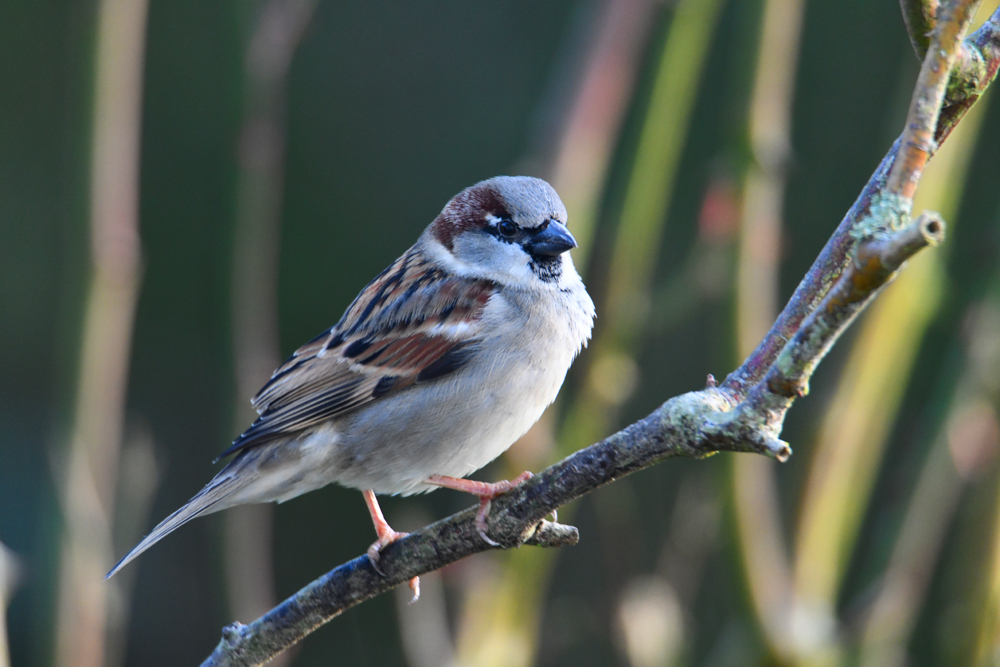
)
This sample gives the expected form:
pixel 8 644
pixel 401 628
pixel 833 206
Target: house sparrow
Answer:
pixel 442 362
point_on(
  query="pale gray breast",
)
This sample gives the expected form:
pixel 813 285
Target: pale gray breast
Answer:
pixel 467 419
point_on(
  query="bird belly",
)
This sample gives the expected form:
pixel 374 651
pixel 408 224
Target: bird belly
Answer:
pixel 457 424
pixel 452 428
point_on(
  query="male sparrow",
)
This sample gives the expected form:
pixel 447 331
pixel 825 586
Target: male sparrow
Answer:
pixel 442 362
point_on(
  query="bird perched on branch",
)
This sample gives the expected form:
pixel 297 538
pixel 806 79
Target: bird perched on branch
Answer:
pixel 442 362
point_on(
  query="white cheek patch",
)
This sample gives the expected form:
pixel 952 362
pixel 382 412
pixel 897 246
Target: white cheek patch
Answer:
pixel 479 255
pixel 437 253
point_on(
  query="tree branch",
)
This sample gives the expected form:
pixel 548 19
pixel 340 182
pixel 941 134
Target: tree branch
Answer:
pixel 977 67
pixel 921 123
pixel 745 414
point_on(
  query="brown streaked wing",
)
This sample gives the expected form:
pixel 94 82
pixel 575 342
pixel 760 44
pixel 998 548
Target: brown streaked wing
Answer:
pixel 413 323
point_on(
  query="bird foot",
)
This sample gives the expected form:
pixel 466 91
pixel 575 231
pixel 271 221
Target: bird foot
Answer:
pixel 385 538
pixel 486 492
pixel 374 554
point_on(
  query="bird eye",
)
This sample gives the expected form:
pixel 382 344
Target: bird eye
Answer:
pixel 507 228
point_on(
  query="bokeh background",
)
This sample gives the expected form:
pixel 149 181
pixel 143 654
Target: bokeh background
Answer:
pixel 190 190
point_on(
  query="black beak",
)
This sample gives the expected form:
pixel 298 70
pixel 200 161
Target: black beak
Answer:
pixel 550 241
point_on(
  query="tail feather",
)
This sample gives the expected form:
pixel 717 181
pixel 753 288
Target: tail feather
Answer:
pixel 208 500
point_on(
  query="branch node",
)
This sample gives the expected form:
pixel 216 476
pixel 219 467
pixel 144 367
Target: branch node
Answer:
pixel 777 449
pixel 234 633
pixel 923 143
pixel 932 227
pixel 551 534
pixel 788 386
pixel 749 427
pixel 891 250
pixel 969 74
pixel 710 382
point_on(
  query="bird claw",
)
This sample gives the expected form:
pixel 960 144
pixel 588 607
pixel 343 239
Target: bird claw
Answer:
pixel 485 491
pixel 384 540
pixel 373 559
pixel 415 587
pixel 495 490
pixel 386 536
pixel 374 555
pixel 484 509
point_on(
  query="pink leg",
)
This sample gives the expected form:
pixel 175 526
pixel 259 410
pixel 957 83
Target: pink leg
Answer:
pixel 386 536
pixel 485 491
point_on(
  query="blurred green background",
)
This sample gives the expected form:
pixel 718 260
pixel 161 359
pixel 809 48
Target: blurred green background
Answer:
pixel 288 151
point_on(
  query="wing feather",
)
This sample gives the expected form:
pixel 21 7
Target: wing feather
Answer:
pixel 413 323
